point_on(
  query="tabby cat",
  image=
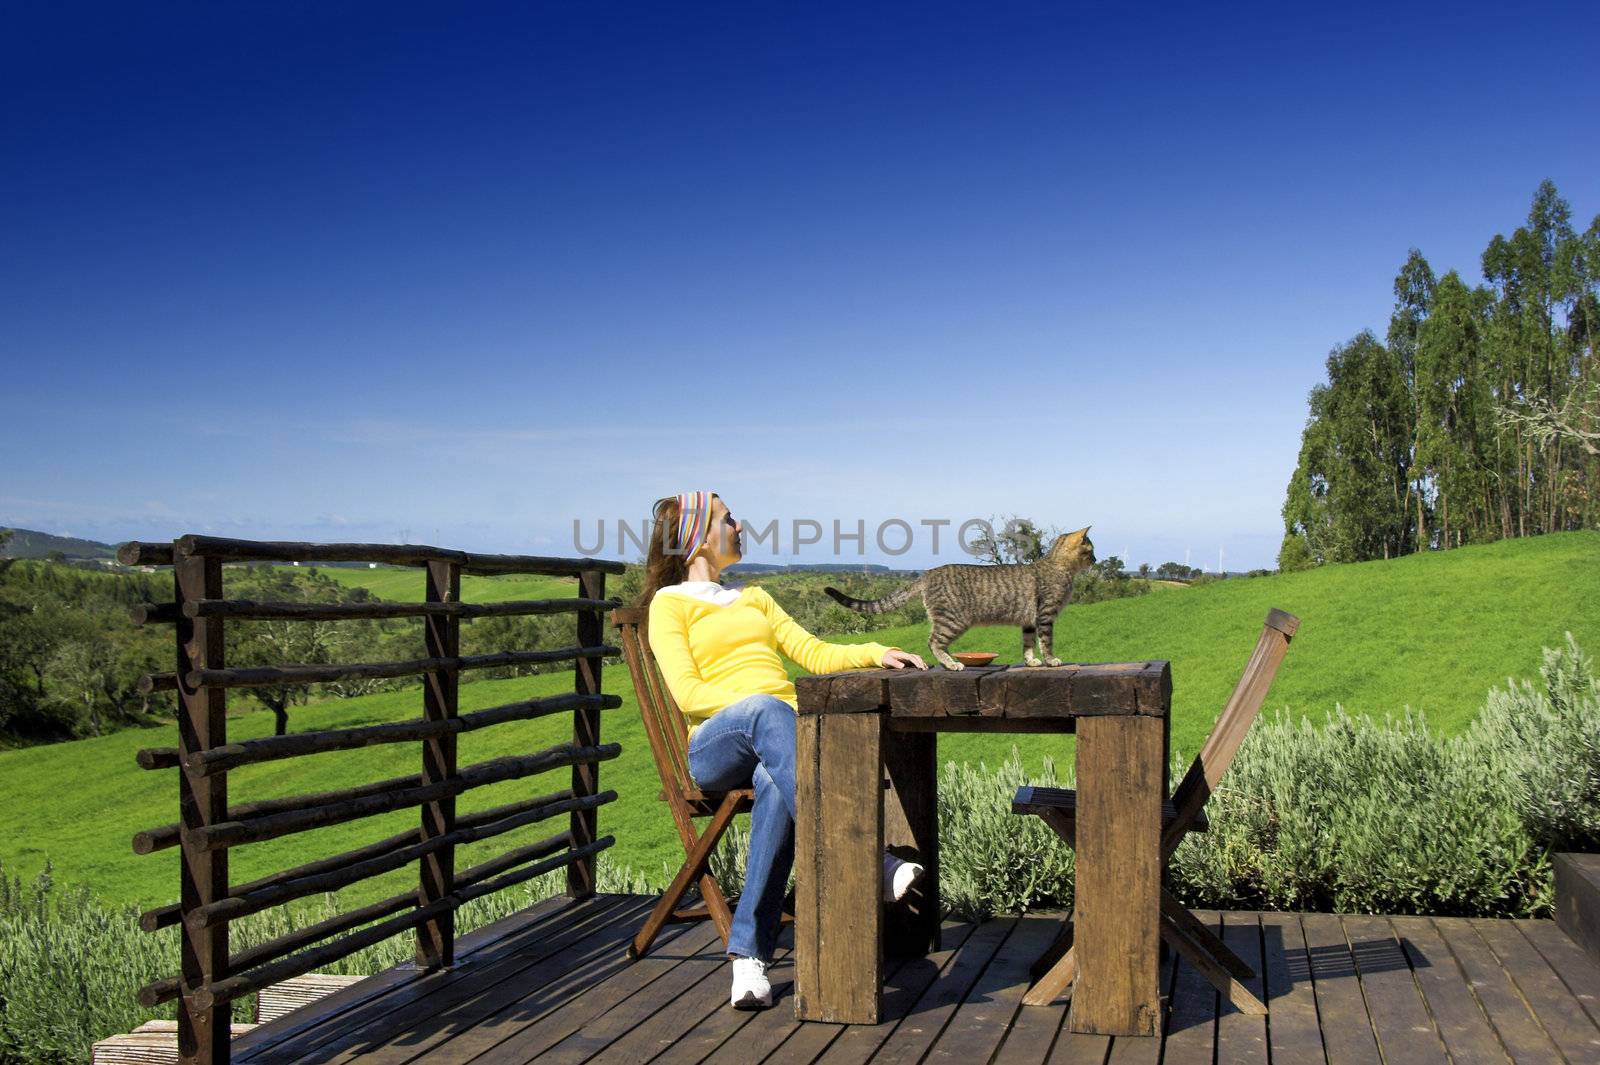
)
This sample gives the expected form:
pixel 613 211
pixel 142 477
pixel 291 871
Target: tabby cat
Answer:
pixel 959 596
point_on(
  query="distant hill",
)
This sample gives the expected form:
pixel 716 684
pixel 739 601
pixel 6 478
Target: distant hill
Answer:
pixel 30 543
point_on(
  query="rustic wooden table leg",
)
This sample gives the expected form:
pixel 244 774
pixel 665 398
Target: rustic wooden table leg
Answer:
pixel 838 930
pixel 911 830
pixel 1118 891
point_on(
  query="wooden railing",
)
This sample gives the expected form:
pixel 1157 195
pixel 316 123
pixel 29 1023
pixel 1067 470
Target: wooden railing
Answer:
pixel 208 826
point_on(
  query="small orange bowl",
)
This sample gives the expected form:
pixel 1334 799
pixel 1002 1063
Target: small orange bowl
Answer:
pixel 974 658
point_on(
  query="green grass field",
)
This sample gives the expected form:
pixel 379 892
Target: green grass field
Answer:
pixel 1433 631
pixel 404 584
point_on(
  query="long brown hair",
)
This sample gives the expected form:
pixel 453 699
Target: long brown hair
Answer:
pixel 663 567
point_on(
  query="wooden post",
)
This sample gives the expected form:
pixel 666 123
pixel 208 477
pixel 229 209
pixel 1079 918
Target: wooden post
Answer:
pixel 586 732
pixel 838 931
pixel 436 937
pixel 202 801
pixel 911 831
pixel 1118 891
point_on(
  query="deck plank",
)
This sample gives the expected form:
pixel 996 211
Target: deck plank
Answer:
pixel 917 1032
pixel 1347 1035
pixel 474 1009
pixel 642 1015
pixel 1570 961
pixel 787 1041
pixel 979 1023
pixel 373 1023
pixel 1405 1031
pixel 1561 1014
pixel 1520 1033
pixel 1461 1022
pixel 302 1020
pixel 902 993
pixel 716 1020
pixel 553 984
pixel 527 1034
pixel 1034 1029
pixel 517 1006
pixel 805 1042
pixel 763 1037
pixel 1241 1038
pixel 1294 1030
pixel 767 1029
pixel 405 1021
pixel 1079 1048
pixel 1191 1030
pixel 903 990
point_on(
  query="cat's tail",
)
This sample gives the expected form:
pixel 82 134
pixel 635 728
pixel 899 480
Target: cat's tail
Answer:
pixel 889 602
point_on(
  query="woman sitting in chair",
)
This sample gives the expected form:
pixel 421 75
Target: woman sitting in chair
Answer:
pixel 718 649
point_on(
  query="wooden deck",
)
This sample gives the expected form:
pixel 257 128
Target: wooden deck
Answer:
pixel 552 984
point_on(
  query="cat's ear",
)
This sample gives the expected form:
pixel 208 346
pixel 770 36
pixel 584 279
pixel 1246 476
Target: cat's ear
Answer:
pixel 1076 537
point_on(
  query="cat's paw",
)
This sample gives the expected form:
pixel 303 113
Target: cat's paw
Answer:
pixel 1031 660
pixel 1052 661
pixel 953 664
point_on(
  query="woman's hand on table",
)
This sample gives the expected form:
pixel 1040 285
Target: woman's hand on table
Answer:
pixel 901 659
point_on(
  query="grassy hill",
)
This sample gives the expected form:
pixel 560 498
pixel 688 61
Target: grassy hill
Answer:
pixel 1432 631
pixel 404 584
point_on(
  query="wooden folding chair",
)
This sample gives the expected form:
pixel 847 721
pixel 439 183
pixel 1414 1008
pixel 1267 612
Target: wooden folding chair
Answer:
pixel 1180 929
pixel 669 743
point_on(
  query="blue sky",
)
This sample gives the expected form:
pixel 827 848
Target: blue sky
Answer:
pixel 464 275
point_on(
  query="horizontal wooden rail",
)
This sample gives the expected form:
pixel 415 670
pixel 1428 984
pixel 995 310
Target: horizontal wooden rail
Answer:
pixel 481 872
pixel 239 903
pixel 338 811
pixel 172 913
pixel 155 839
pixel 139 553
pixel 222 549
pixel 271 676
pixel 269 748
pixel 151 683
pixel 241 984
pixel 150 613
pixel 489 887
pixel 251 610
pixel 158 757
pixel 159 991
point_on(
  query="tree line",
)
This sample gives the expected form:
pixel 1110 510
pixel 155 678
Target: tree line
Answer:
pixel 71 657
pixel 1473 420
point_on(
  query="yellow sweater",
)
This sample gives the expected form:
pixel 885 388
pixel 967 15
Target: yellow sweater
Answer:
pixel 713 655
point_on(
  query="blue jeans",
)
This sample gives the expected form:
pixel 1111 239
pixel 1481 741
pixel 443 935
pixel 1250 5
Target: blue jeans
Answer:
pixel 752 742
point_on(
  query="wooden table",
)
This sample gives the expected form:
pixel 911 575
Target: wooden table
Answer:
pixel 862 731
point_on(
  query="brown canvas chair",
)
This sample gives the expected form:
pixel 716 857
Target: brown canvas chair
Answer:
pixel 664 725
pixel 1180 929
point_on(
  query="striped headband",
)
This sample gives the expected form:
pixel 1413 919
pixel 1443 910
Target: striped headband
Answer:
pixel 694 521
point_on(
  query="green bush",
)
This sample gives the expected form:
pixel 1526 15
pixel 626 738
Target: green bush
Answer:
pixel 1358 816
pixel 1353 816
pixel 1547 744
pixel 991 860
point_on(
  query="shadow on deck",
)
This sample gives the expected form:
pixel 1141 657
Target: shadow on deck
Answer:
pixel 552 984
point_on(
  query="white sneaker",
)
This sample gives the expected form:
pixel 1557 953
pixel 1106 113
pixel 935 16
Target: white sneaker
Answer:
pixel 751 991
pixel 898 876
